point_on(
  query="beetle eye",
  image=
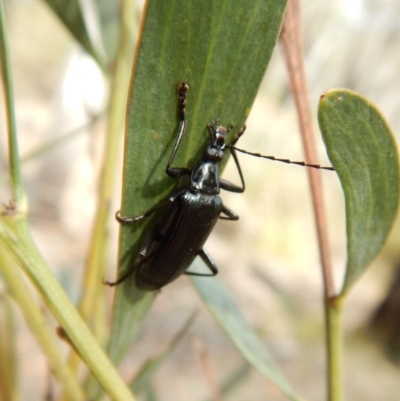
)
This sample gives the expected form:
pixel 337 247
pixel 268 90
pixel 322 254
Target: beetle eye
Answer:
pixel 214 153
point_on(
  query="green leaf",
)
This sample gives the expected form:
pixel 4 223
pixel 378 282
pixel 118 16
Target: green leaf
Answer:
pixel 222 306
pixel 70 14
pixel 129 311
pixel 43 334
pixel 221 48
pixel 362 149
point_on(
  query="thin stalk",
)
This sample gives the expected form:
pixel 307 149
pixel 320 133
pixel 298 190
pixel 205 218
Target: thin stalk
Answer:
pixel 291 41
pixel 91 304
pixel 334 343
pixel 9 389
pixel 15 236
pixel 36 322
pixel 93 289
pixel 18 194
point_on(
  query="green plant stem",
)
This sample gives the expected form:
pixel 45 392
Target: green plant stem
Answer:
pixel 92 302
pixel 15 236
pixel 8 350
pixel 39 328
pixel 18 193
pixel 334 343
pixel 93 290
pixel 291 40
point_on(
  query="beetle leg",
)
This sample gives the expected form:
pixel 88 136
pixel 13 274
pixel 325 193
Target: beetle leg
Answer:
pixel 141 258
pixel 128 220
pixel 120 279
pixel 229 213
pixel 229 186
pixel 176 172
pixel 126 274
pixel 169 200
pixel 238 135
pixel 209 262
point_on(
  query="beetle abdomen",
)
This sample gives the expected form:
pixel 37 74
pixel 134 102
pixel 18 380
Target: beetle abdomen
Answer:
pixel 182 232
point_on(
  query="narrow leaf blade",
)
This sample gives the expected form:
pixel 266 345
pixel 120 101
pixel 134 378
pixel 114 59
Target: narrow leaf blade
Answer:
pixel 141 381
pixel 225 311
pixel 70 14
pixel 222 50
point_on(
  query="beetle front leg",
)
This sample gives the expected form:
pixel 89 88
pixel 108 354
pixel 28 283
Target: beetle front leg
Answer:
pixel 209 262
pixel 238 135
pixel 229 186
pixel 176 172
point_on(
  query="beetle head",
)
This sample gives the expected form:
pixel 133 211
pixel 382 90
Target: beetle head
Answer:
pixel 215 150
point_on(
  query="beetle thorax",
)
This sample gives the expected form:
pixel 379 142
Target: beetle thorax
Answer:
pixel 205 178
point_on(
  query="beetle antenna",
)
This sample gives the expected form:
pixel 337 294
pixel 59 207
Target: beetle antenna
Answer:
pixel 317 166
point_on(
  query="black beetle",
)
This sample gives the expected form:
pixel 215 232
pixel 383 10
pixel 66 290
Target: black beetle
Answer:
pixel 190 212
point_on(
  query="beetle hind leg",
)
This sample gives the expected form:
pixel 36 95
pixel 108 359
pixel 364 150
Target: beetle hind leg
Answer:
pixel 229 214
pixel 141 258
pixel 120 279
pixel 209 263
